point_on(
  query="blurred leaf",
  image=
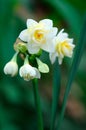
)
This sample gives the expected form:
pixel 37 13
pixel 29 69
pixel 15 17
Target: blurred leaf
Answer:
pixel 69 13
pixel 69 124
pixel 12 93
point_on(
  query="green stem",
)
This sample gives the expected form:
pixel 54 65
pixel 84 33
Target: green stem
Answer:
pixel 26 61
pixel 55 94
pixel 14 58
pixel 37 103
pixel 63 108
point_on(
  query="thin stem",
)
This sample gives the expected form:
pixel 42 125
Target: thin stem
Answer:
pixel 26 59
pixel 55 94
pixel 14 58
pixel 37 103
pixel 63 108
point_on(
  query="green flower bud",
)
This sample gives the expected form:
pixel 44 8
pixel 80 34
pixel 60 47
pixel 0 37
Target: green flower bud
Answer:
pixel 43 68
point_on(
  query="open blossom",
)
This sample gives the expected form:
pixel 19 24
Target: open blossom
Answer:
pixel 28 72
pixel 62 47
pixel 39 35
pixel 11 68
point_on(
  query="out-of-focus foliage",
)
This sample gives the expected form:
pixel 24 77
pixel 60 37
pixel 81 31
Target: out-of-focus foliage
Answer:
pixel 17 109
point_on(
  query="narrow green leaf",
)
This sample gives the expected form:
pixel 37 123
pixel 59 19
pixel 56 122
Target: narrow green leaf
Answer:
pixel 68 12
pixel 77 58
pixel 55 94
pixel 38 104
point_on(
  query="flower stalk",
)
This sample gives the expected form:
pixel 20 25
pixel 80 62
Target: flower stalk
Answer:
pixel 55 93
pixel 15 57
pixel 38 105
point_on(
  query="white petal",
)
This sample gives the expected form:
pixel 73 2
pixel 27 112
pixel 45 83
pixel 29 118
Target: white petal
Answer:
pixel 54 31
pixel 54 41
pixel 52 57
pixel 47 22
pixel 33 48
pixel 61 32
pixel 70 40
pixel 38 75
pixel 11 68
pixel 60 60
pixel 24 35
pixel 61 36
pixel 27 72
pixel 48 46
pixel 31 22
pixel 66 51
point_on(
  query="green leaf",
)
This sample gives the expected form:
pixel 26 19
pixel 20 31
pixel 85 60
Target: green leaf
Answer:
pixel 56 92
pixel 77 58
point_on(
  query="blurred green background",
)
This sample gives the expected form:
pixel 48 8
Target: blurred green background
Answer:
pixel 17 109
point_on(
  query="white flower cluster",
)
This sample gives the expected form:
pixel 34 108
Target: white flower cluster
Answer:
pixel 39 36
pixel 44 36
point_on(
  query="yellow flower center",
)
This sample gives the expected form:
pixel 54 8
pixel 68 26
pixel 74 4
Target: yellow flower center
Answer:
pixel 27 76
pixel 65 44
pixel 39 36
pixel 60 48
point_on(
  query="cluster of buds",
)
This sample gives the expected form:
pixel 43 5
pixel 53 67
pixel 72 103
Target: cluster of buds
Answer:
pixel 37 37
pixel 32 64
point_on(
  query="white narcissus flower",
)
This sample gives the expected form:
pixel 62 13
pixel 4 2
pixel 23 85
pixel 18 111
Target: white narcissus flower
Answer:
pixel 62 47
pixel 28 72
pixel 11 68
pixel 39 35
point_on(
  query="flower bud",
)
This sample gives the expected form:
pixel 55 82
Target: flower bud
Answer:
pixel 11 68
pixel 42 67
pixel 28 72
